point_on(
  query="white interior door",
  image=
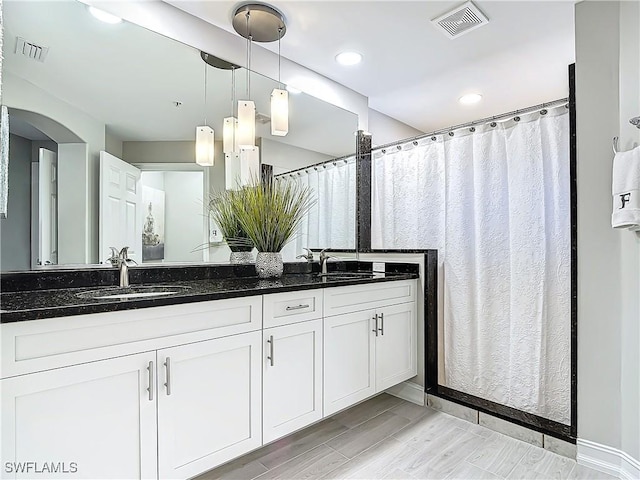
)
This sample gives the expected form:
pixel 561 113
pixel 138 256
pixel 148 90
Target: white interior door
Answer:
pixel 47 205
pixel 120 207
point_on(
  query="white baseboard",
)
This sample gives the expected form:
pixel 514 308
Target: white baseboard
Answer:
pixel 607 460
pixel 409 391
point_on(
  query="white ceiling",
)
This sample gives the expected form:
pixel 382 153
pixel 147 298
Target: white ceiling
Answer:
pixel 411 71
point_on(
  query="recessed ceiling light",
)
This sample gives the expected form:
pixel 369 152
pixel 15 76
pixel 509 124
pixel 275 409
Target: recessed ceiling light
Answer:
pixel 293 90
pixel 348 58
pixel 104 16
pixel 470 98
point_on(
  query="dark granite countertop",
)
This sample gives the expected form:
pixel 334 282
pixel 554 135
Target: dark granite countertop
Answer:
pixel 37 304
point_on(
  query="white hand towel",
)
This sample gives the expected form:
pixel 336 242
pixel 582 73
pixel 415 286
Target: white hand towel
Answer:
pixel 626 190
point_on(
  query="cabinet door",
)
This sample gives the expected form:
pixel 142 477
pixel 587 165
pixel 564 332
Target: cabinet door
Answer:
pixel 292 378
pixel 396 351
pixel 349 342
pixel 208 403
pixel 96 420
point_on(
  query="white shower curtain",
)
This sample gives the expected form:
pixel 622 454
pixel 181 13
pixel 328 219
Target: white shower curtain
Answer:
pixel 331 223
pixel 505 247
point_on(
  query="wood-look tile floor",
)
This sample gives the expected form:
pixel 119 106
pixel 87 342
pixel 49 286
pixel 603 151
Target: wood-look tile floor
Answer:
pixel 388 438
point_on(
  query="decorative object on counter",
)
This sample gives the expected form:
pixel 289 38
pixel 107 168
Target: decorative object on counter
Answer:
pixel 224 209
pixel 270 213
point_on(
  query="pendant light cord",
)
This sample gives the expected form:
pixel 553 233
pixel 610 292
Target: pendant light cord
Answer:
pixel 279 55
pixel 205 93
pixel 249 39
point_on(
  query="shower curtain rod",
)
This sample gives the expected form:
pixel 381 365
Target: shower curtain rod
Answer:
pixel 345 159
pixel 502 116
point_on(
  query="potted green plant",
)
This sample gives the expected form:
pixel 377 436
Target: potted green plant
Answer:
pixel 270 213
pixel 224 210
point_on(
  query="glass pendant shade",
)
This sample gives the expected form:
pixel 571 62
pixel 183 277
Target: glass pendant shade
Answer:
pixel 249 166
pixel 204 146
pixel 232 171
pixel 279 112
pixel 229 128
pixel 246 132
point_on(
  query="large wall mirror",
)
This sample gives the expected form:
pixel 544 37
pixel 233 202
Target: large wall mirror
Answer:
pixel 78 89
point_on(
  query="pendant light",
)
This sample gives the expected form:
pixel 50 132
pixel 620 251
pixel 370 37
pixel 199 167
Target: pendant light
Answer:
pixel 230 124
pixel 279 103
pixel 260 23
pixel 246 108
pixel 205 135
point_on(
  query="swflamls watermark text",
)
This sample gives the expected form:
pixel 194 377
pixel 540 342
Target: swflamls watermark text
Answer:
pixel 41 467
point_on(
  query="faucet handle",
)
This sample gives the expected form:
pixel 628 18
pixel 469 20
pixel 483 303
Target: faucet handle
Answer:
pixel 124 253
pixel 113 259
pixel 308 256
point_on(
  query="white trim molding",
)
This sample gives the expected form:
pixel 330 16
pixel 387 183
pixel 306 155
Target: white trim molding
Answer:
pixel 608 460
pixel 409 391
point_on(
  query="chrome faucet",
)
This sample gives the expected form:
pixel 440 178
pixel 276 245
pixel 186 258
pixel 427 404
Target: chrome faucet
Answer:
pixel 121 260
pixel 324 257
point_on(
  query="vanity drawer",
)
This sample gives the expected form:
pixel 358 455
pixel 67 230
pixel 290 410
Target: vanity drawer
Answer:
pixel 355 298
pixel 38 345
pixel 291 307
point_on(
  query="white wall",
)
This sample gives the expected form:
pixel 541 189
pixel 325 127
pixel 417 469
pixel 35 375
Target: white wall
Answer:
pixel 76 220
pixel 607 95
pixel 18 93
pixel 630 243
pixel 15 230
pixel 174 23
pixel 385 129
pixel 285 157
pixel 183 217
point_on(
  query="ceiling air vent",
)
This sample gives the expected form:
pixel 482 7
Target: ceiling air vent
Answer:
pixel 461 20
pixel 31 50
pixel 262 118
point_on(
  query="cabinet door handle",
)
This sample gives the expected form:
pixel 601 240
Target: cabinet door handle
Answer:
pixel 150 389
pixel 297 307
pixel 270 356
pixel 381 324
pixel 167 365
pixel 375 330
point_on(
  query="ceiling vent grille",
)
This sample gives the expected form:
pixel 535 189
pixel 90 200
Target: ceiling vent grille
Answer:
pixel 460 20
pixel 31 50
pixel 262 118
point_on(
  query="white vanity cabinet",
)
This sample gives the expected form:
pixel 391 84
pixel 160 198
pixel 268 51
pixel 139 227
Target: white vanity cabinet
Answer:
pixel 189 401
pixel 208 403
pixel 292 362
pixel 174 391
pixel 370 340
pixel 96 420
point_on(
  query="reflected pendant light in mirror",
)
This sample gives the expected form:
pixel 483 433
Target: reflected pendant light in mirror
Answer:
pixel 230 124
pixel 279 102
pixel 205 146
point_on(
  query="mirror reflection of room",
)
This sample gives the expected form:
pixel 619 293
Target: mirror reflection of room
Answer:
pixel 129 105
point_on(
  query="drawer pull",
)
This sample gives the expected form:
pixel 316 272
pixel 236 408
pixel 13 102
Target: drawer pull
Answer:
pixel 167 364
pixel 150 389
pixel 375 330
pixel 270 356
pixel 297 307
pixel 381 324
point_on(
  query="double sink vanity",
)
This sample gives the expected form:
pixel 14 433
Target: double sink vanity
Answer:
pixel 171 378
